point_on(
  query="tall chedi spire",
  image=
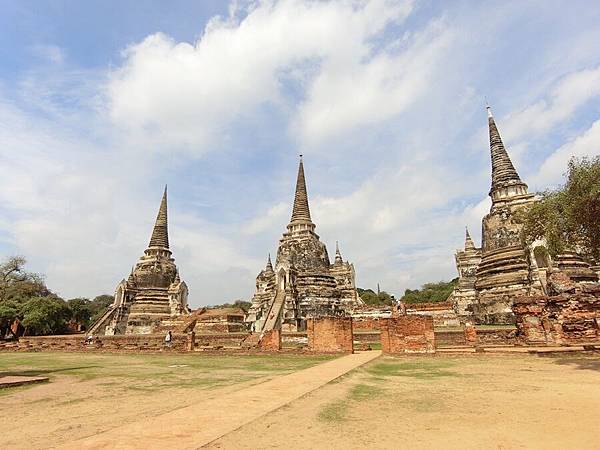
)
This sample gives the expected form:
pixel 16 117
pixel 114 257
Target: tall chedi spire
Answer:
pixel 505 179
pixel 301 211
pixel 301 221
pixel 160 233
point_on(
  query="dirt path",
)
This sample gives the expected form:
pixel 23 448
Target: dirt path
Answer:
pixel 203 422
pixel 444 402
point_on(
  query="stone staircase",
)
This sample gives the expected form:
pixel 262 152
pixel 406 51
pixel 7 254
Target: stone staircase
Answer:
pixel 273 321
pixel 274 315
pixel 102 322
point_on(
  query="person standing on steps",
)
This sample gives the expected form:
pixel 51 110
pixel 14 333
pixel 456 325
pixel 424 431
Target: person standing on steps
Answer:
pixel 168 338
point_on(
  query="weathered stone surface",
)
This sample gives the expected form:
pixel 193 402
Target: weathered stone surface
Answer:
pixel 153 292
pixel 464 295
pixel 330 334
pixel 209 320
pixel 508 269
pixel 407 334
pixel 569 318
pixel 304 283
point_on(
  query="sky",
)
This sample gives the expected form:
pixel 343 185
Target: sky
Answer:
pixel 104 102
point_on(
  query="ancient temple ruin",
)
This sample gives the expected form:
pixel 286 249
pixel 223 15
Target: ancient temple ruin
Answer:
pixel 152 293
pixel 467 261
pixel 303 282
pixel 505 268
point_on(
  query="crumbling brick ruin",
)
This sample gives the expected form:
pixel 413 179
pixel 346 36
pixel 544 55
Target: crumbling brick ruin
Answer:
pixel 508 269
pixel 303 283
pixel 407 334
pixel 153 291
pixel 330 335
pixel 571 316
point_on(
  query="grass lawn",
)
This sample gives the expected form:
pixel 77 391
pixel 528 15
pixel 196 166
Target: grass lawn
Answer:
pixel 89 393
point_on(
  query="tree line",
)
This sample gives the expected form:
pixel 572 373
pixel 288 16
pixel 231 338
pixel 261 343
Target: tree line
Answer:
pixel 28 307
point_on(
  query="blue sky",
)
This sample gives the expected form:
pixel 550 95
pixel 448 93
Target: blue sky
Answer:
pixel 102 103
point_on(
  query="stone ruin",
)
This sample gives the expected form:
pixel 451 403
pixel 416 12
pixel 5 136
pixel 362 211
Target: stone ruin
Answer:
pixel 152 293
pixel 504 268
pixel 570 314
pixel 303 283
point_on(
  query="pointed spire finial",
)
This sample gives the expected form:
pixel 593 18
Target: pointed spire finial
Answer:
pixel 269 265
pixel 301 211
pixel 503 172
pixel 469 244
pixel 160 233
pixel 338 254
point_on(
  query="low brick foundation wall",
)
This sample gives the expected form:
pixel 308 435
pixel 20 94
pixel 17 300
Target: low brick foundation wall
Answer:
pixel 270 341
pixel 569 318
pixel 131 342
pixel 408 334
pixel 330 335
pixel 223 339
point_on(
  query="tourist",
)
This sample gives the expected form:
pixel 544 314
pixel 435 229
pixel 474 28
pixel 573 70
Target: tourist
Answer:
pixel 168 339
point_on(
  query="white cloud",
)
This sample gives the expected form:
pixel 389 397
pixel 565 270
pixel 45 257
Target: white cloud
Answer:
pixel 384 101
pixel 569 93
pixel 552 170
pixel 174 94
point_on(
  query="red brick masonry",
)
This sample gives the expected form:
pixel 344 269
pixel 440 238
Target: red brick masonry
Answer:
pixel 271 341
pixel 407 334
pixel 569 318
pixel 330 335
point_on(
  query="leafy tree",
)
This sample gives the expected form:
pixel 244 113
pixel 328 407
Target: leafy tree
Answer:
pixel 9 311
pixel 80 311
pixel 370 297
pixel 430 292
pixel 45 315
pixel 17 284
pixel 569 217
pixel 99 305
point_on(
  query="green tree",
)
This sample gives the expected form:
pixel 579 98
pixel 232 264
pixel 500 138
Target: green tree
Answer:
pixel 569 217
pixel 17 284
pixel 45 315
pixel 430 292
pixel 98 306
pixel 370 297
pixel 80 311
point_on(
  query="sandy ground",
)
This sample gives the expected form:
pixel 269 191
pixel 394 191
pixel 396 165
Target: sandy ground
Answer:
pixel 471 401
pixel 89 394
pixel 441 402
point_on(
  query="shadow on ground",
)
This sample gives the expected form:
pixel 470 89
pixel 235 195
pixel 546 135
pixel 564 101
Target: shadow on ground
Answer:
pixel 39 372
pixel 589 361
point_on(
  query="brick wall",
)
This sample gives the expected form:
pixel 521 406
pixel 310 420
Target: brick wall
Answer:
pixel 408 334
pixel 130 342
pixel 270 341
pixel 569 318
pixel 223 339
pixel 367 323
pixel 330 334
